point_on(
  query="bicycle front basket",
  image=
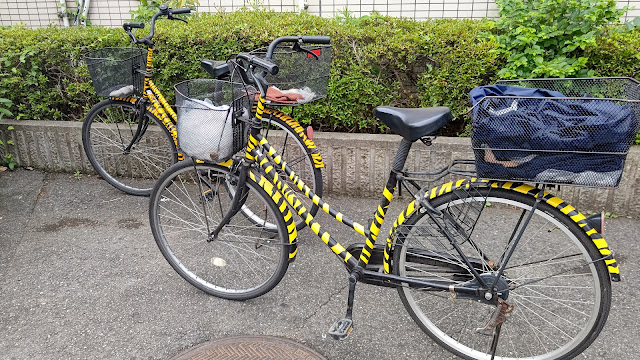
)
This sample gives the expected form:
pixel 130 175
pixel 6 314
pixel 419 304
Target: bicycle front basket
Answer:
pixel 303 76
pixel 213 118
pixel 115 71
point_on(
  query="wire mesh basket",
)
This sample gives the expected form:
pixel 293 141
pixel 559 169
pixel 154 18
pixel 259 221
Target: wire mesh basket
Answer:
pixel 213 117
pixel 115 71
pixel 556 131
pixel 303 75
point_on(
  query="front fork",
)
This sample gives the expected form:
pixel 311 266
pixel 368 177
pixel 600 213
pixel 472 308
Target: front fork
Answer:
pixel 143 124
pixel 239 198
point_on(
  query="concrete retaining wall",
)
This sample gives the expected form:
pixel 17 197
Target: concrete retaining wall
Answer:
pixel 355 164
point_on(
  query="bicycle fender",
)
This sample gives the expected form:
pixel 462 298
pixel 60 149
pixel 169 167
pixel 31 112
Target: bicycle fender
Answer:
pixel 315 154
pixel 130 99
pixel 280 202
pixel 526 189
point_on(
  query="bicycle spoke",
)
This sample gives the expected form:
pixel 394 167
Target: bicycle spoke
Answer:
pixel 109 130
pixel 554 288
pixel 243 260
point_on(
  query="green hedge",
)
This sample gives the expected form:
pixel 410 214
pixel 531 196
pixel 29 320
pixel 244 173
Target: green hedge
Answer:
pixel 377 61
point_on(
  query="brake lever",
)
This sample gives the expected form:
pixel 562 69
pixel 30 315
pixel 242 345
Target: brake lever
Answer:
pixel 296 47
pixel 171 17
pixel 127 30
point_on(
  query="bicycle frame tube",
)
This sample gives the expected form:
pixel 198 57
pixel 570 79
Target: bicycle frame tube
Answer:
pixel 160 105
pixel 266 161
pixel 254 152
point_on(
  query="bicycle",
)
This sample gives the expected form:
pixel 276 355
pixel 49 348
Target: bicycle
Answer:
pixel 486 268
pixel 118 134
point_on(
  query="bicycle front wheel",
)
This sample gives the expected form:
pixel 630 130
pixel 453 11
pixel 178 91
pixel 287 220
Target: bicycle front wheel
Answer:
pixel 245 260
pixel 557 282
pixel 128 162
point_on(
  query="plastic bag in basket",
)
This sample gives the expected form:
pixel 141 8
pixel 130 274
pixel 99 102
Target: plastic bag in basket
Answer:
pixel 205 131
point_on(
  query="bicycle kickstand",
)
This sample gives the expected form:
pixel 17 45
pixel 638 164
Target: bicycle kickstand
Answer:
pixel 494 325
pixel 341 329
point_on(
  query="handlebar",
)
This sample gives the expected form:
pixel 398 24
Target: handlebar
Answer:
pixel 180 11
pixel 296 39
pixel 164 10
pixel 128 26
pixel 263 64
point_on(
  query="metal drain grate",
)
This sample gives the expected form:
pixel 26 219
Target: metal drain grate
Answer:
pixel 249 348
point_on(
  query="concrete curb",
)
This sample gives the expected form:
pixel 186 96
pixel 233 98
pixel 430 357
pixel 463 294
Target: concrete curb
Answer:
pixel 355 164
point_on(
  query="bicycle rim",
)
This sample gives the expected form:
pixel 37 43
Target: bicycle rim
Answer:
pixel 560 296
pixel 245 261
pixel 109 130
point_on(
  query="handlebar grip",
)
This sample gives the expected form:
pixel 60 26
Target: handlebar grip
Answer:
pixel 180 11
pixel 132 25
pixel 266 65
pixel 316 39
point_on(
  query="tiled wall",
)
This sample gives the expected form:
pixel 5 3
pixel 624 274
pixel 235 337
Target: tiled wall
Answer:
pixel 110 13
pixel 38 13
pixel 418 9
pixel 30 12
pixel 353 162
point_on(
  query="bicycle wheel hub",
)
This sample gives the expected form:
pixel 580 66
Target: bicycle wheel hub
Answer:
pixel 489 296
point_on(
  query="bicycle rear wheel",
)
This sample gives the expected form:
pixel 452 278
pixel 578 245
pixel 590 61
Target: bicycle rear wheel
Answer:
pixel 109 129
pixel 559 285
pixel 246 260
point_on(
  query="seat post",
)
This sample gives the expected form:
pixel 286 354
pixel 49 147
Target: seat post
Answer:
pixel 401 155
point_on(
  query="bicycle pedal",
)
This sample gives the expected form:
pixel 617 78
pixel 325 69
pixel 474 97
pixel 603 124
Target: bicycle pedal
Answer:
pixel 341 329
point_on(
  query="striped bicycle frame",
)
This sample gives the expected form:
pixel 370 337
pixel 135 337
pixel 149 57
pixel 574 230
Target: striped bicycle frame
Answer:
pixel 159 106
pixel 258 143
pixel 259 150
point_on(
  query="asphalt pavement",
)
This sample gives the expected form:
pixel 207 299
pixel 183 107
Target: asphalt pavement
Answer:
pixel 82 278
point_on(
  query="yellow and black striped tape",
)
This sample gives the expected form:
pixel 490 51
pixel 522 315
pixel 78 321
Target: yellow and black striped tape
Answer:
pixel 299 130
pixel 526 189
pixel 278 199
pixel 293 201
pixel 163 101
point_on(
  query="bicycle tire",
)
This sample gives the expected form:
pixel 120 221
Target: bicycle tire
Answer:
pixel 302 162
pixel 108 129
pixel 245 261
pixel 551 318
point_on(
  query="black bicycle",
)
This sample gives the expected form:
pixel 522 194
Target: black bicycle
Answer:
pixel 131 137
pixel 488 269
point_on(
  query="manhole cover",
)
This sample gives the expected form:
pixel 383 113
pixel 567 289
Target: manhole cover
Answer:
pixel 249 348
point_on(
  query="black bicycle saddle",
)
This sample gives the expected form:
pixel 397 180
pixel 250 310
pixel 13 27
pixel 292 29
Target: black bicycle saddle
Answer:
pixel 414 123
